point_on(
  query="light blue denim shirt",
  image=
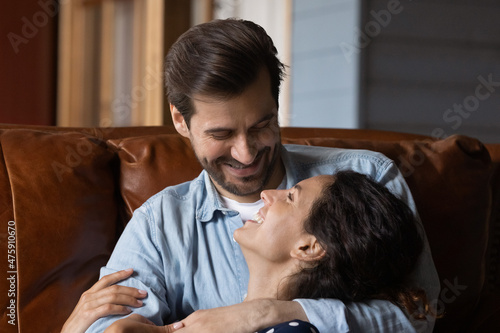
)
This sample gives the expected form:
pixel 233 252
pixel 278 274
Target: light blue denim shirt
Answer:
pixel 181 247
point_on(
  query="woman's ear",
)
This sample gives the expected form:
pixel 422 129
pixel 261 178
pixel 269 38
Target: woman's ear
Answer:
pixel 179 122
pixel 308 249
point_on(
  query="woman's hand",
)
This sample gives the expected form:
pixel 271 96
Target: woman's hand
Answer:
pixel 104 298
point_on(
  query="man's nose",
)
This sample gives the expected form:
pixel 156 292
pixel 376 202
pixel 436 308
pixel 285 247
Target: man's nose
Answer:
pixel 243 150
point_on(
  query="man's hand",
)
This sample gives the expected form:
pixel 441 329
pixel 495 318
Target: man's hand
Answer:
pixel 137 323
pixel 248 316
pixel 104 298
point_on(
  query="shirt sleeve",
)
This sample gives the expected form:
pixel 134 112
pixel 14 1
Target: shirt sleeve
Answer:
pixel 136 249
pixel 331 315
pixel 425 275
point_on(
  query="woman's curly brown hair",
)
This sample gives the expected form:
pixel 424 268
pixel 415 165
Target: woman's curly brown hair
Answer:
pixel 372 245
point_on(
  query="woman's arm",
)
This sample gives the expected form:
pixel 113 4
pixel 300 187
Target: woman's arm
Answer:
pixel 328 315
pixel 243 317
pixel 104 298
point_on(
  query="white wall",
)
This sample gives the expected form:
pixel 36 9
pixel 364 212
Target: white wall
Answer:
pixel 324 79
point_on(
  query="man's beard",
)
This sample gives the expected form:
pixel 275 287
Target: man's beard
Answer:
pixel 251 185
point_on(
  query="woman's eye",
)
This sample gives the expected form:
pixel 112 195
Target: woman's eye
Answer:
pixel 290 196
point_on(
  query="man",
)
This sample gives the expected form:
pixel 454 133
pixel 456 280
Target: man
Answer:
pixel 223 81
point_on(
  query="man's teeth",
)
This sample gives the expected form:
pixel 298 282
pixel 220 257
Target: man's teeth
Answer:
pixel 257 218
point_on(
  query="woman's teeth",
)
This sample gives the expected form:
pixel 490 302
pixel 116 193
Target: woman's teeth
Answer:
pixel 257 218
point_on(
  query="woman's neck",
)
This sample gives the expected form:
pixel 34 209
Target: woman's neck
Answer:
pixel 268 280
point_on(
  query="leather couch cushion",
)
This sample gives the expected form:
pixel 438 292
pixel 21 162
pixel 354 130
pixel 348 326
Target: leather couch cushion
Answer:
pixel 448 178
pixel 148 164
pixel 62 243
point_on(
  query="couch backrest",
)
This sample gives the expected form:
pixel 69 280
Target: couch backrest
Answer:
pixel 69 192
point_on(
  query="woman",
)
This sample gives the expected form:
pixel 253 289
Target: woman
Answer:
pixel 342 236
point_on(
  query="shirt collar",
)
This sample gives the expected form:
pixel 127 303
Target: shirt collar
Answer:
pixel 212 201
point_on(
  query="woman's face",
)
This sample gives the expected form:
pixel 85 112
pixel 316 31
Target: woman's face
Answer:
pixel 279 225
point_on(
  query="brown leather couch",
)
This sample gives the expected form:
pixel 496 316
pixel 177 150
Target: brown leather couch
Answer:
pixel 67 193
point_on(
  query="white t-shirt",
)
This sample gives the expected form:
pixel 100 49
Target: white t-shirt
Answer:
pixel 247 210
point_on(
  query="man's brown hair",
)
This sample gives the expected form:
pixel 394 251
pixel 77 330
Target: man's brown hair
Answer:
pixel 219 59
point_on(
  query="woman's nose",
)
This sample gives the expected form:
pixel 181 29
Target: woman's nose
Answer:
pixel 270 196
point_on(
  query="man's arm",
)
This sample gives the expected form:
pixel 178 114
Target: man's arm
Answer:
pixel 137 323
pixel 136 248
pixel 424 275
pixel 330 315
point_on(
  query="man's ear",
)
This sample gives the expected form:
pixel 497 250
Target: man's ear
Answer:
pixel 308 249
pixel 179 122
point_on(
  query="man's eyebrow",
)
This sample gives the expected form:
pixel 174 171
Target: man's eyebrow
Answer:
pixel 225 129
pixel 268 116
pixel 217 129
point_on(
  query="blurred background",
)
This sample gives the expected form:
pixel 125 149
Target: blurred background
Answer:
pixel 430 67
